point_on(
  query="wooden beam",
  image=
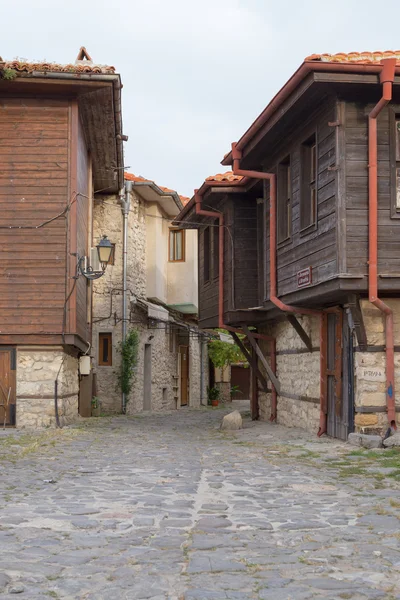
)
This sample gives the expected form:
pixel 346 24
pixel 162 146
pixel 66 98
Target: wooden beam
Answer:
pixel 356 314
pixel 261 356
pixel 254 406
pixel 252 362
pixel 299 329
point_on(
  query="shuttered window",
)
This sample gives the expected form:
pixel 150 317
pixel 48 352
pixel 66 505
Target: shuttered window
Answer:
pixel 308 195
pixel 284 201
pixel 105 349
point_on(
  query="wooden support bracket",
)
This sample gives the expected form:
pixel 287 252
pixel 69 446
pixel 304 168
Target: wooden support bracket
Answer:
pixel 299 329
pixel 261 356
pixel 252 362
pixel 356 314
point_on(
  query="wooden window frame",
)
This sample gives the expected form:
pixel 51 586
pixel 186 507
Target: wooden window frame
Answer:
pixel 215 252
pixel 105 336
pixel 174 231
pixel 206 255
pixel 309 185
pixel 284 201
pixel 394 118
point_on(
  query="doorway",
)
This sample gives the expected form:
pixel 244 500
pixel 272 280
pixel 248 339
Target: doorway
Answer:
pixel 184 374
pixel 147 378
pixel 8 360
pixel 338 377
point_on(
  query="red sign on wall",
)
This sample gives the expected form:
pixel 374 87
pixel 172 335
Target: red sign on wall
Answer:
pixel 304 277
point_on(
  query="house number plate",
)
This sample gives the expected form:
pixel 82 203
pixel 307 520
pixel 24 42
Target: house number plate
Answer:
pixel 304 277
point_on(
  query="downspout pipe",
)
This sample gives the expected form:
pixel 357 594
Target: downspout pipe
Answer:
pixel 386 79
pixel 271 177
pixel 125 199
pixel 219 215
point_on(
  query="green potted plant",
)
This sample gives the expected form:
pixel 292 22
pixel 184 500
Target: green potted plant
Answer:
pixel 235 389
pixel 95 407
pixel 213 395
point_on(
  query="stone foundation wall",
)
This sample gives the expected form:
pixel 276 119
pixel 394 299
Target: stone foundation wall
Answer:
pixel 298 370
pixel 370 370
pixel 37 370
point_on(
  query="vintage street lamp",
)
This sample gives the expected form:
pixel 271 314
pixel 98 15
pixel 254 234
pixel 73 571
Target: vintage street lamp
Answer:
pixel 104 250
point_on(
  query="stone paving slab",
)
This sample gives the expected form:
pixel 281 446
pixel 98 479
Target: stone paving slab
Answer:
pixel 167 507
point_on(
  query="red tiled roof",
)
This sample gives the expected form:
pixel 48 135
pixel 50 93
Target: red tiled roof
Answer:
pixel 138 178
pixel 366 58
pixel 83 67
pixel 228 177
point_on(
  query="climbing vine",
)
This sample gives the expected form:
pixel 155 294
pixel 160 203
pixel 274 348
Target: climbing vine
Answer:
pixel 129 358
pixel 223 353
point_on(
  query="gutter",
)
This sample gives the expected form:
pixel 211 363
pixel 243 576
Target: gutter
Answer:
pixel 125 199
pixel 387 74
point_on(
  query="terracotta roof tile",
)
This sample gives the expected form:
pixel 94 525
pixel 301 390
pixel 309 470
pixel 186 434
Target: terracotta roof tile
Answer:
pixel 366 58
pixel 43 67
pixel 228 177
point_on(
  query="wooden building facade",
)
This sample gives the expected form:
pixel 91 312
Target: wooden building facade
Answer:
pixel 297 216
pixel 59 128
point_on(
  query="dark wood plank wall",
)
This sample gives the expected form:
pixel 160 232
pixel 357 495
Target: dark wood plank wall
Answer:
pixel 33 188
pixel 317 248
pixel 82 211
pixel 245 251
pixel 356 141
pixel 208 291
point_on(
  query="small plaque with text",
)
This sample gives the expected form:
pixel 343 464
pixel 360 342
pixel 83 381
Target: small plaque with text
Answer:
pixel 304 277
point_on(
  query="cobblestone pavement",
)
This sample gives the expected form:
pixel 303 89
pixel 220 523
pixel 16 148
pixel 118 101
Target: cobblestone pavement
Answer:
pixel 168 507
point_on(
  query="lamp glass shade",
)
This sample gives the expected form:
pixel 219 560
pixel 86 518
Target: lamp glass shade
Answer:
pixel 104 249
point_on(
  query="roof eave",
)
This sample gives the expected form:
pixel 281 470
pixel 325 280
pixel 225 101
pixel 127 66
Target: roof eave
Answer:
pixel 307 67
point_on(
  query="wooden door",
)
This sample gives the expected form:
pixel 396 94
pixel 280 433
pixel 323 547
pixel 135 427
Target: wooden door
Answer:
pixel 7 385
pixel 147 378
pixel 337 401
pixel 240 376
pixel 184 374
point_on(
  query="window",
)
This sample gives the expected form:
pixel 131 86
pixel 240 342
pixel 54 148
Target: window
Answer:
pixel 206 255
pixel 176 245
pixel 215 251
pixel 105 349
pixel 284 201
pixel 308 194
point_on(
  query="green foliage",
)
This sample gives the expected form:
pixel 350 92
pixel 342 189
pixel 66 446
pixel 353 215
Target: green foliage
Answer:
pixel 213 393
pixel 129 357
pixel 9 74
pixel 223 353
pixel 235 389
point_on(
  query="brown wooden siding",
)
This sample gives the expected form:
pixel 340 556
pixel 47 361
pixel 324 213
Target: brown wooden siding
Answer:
pixel 356 151
pixel 245 252
pixel 315 247
pixel 33 189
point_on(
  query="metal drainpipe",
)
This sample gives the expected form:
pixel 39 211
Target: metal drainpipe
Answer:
pixel 271 178
pixel 125 198
pixel 386 78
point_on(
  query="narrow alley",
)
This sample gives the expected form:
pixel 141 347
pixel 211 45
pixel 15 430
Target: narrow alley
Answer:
pixel 169 507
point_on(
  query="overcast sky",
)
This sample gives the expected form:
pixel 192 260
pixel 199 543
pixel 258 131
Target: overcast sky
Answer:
pixel 196 73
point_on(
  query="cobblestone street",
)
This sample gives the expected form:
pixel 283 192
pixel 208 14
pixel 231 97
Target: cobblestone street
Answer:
pixel 168 507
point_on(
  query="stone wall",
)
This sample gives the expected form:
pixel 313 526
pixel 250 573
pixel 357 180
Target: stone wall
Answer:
pixel 298 370
pixel 370 369
pixel 37 369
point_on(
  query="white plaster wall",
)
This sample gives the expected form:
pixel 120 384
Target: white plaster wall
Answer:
pixel 156 253
pixel 183 276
